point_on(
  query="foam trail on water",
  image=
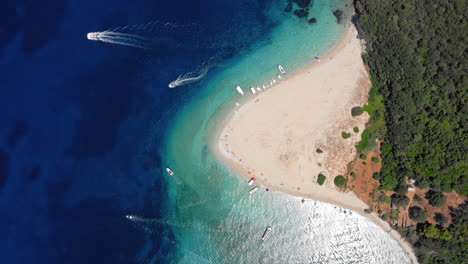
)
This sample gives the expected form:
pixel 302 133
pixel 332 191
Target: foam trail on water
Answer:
pixel 121 39
pixel 187 78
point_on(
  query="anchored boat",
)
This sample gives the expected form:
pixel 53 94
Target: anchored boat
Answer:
pixel 252 180
pixel 170 171
pixel 253 190
pixel 239 90
pixel 281 69
pixel 266 234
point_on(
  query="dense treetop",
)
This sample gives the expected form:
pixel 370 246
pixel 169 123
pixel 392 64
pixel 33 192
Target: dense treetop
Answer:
pixel 417 56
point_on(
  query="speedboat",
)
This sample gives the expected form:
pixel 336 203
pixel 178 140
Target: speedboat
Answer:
pixel 273 80
pixel 281 69
pixel 253 90
pixel 129 217
pixel 170 171
pixel 239 90
pixel 317 58
pixel 263 86
pixel 266 234
pixel 279 77
pixel 253 190
pixel 258 89
pixel 93 36
pixel 252 180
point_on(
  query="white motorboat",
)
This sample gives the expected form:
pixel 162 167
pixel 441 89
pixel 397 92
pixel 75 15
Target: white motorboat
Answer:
pixel 252 180
pixel 279 77
pixel 258 89
pixel 93 35
pixel 239 90
pixel 253 90
pixel 170 171
pixel 281 69
pixel 253 190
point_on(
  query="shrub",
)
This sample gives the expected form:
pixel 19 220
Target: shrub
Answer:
pixel 375 159
pixel 319 151
pixel 353 174
pixel 422 184
pixel 435 198
pixel 363 156
pixel 417 198
pixel 321 179
pixel 400 200
pixel 417 214
pixel 345 135
pixel 440 218
pixel 356 129
pixel 385 199
pixel 401 188
pixel 356 111
pixel 339 181
pixel 376 175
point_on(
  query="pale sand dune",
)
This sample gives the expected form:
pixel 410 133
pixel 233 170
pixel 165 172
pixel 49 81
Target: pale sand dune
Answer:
pixel 275 139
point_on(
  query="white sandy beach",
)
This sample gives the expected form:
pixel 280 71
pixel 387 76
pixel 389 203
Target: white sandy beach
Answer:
pixel 274 134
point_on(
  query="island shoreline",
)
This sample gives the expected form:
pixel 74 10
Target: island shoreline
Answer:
pixel 348 199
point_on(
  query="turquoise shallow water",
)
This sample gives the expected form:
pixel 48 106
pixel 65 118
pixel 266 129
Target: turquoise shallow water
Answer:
pixel 213 218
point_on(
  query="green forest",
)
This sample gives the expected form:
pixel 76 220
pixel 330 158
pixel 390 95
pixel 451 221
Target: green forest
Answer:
pixel 416 52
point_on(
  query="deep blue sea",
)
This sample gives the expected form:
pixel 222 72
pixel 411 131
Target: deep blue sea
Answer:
pixel 87 128
pixel 75 115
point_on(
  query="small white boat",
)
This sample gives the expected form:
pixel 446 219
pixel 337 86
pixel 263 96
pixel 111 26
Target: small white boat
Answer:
pixel 170 171
pixel 273 80
pixel 129 217
pixel 253 90
pixel 279 77
pixel 271 83
pixel 252 180
pixel 93 35
pixel 281 69
pixel 253 190
pixel 258 89
pixel 263 86
pixel 239 90
pixel 317 58
pixel 266 234
pixel 237 104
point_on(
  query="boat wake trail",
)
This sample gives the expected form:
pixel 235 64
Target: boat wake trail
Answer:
pixel 188 78
pixel 121 39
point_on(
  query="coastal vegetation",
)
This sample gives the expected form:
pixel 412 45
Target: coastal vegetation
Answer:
pixel 321 179
pixel 345 135
pixel 417 214
pixel 436 198
pixel 356 130
pixel 356 111
pixel 416 53
pixel 340 181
